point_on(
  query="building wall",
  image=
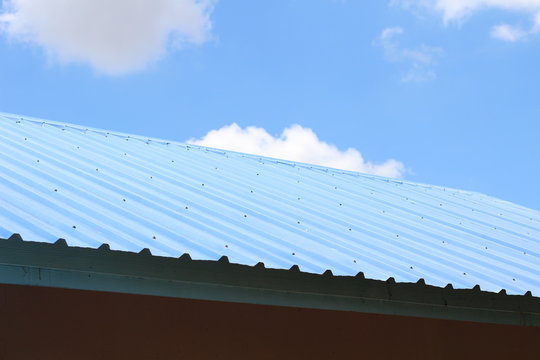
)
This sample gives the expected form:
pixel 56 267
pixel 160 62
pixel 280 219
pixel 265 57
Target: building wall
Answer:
pixel 47 323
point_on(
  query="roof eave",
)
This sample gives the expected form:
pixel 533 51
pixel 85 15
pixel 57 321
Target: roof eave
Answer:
pixel 58 265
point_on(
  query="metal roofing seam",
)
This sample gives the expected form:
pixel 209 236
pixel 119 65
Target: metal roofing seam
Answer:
pixel 135 192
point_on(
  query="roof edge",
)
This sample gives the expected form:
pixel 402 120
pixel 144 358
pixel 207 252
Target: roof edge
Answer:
pixel 102 269
pixel 254 156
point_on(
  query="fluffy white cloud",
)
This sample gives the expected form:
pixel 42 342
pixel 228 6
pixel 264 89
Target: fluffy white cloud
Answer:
pixel 295 143
pixel 421 59
pixel 459 10
pixel 507 33
pixel 114 37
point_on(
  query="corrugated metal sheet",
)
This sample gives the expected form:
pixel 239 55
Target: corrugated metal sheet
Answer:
pixel 91 187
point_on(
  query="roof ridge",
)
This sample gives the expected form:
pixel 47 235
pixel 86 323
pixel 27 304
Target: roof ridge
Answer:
pixel 255 156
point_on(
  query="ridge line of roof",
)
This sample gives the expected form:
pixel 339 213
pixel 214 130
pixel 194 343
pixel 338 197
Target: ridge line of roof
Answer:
pixel 17 117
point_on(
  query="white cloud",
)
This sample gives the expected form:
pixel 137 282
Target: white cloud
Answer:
pixel 388 33
pixel 295 143
pixel 418 73
pixel 421 59
pixel 507 33
pixel 114 37
pixel 536 26
pixel 460 10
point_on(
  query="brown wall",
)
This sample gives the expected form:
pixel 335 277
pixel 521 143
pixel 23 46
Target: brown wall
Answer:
pixel 46 323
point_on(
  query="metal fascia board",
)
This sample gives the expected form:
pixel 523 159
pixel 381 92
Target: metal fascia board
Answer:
pixel 57 265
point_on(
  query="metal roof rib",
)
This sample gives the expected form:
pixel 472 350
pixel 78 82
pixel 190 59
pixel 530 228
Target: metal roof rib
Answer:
pixel 91 186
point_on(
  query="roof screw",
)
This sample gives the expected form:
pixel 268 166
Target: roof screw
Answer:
pixel 153 237
pixel 74 227
pixel 124 200
pixel 55 190
pixel 187 208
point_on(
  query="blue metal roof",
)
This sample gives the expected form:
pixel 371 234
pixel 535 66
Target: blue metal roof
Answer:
pixel 92 186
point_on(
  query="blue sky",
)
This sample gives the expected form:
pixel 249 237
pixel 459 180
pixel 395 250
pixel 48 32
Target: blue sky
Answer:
pixel 447 89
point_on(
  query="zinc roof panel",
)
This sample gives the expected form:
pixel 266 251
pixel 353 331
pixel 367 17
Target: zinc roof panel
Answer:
pixel 94 186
